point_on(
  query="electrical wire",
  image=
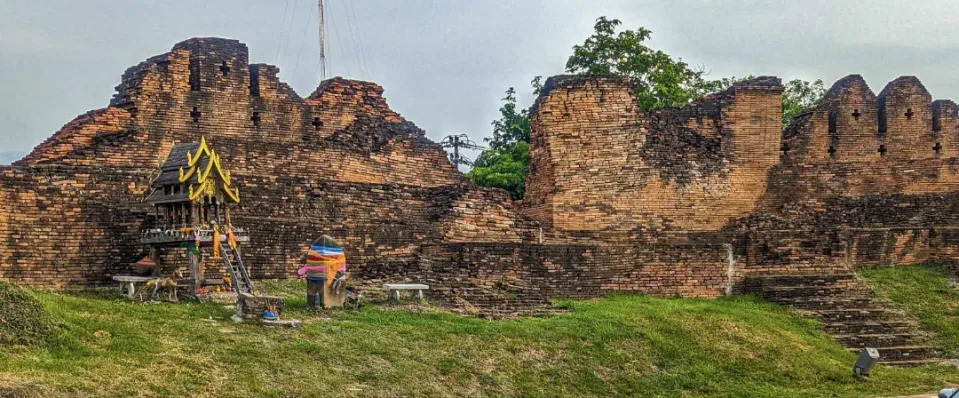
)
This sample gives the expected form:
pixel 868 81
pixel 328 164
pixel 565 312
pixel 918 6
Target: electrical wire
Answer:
pixel 286 49
pixel 306 29
pixel 342 48
pixel 279 41
pixel 355 41
pixel 359 36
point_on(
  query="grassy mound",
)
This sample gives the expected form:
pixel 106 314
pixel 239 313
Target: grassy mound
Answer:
pixel 620 346
pixel 22 318
pixel 925 292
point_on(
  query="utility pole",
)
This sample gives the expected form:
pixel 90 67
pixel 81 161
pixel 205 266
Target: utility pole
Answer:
pixel 457 141
pixel 322 43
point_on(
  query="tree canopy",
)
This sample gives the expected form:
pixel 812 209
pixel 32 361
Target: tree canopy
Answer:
pixel 513 124
pixel 658 81
pixel 503 168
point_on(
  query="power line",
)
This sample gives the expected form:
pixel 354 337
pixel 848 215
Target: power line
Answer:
pixel 340 42
pixel 286 49
pixel 351 25
pixel 457 141
pixel 279 41
pixel 306 29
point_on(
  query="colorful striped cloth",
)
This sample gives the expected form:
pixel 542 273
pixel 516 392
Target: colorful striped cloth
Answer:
pixel 324 260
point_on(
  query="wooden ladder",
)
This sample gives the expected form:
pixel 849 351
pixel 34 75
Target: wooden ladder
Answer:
pixel 238 275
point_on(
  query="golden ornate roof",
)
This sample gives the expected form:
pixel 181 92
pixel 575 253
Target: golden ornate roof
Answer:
pixel 193 172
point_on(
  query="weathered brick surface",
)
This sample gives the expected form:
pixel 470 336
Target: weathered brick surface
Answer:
pixel 820 196
pixel 684 201
pixel 339 161
pixel 598 162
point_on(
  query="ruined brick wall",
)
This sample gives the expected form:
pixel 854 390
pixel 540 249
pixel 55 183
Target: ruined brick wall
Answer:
pixel 877 173
pixel 681 201
pixel 600 163
pixel 60 225
pixel 860 180
pixel 484 273
pixel 857 144
pixel 339 161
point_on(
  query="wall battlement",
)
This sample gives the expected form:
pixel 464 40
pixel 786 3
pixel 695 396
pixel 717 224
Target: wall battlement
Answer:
pixel 339 161
pixel 855 125
pixel 599 162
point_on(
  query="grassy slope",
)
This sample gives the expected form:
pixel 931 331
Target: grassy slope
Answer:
pixel 923 291
pixel 620 346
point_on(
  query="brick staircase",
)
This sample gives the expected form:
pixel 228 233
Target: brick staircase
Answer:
pixel 850 312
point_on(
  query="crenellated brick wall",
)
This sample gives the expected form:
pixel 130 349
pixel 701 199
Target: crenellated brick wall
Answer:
pixel 339 161
pixel 859 180
pixel 600 163
pixel 681 201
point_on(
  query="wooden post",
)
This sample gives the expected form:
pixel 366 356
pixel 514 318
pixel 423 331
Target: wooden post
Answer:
pixel 155 256
pixel 194 271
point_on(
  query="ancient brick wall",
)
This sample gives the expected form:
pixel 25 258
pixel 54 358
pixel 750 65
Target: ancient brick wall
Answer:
pixel 600 163
pixel 339 161
pixel 860 180
pixel 61 225
pixel 879 174
pixel 485 274
pixel 682 201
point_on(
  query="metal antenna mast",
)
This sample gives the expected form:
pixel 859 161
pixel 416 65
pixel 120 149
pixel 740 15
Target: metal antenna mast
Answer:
pixel 322 43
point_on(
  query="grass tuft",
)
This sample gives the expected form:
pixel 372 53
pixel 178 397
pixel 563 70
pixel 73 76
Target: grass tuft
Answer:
pixel 23 320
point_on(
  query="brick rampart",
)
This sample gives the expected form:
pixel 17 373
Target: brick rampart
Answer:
pixel 680 201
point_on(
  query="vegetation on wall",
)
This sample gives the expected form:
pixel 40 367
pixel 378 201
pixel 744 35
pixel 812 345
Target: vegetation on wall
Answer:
pixel 658 81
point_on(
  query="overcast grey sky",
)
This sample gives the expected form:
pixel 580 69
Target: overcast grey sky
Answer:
pixel 445 64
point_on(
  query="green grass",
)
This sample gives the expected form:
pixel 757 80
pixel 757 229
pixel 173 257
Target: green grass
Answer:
pixel 618 346
pixel 924 292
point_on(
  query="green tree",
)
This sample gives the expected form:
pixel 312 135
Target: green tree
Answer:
pixel 512 126
pixel 658 79
pixel 503 168
pixel 799 96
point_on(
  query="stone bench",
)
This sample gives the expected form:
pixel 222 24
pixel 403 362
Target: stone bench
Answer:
pixel 128 282
pixel 393 289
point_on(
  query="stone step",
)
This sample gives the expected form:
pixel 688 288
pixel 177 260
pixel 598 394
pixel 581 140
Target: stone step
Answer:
pixel 799 280
pixel 854 315
pixel 873 327
pixel 790 292
pixel 913 363
pixel 893 355
pixel 829 303
pixel 878 340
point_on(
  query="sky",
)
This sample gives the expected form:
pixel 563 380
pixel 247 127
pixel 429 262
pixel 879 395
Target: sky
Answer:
pixel 445 64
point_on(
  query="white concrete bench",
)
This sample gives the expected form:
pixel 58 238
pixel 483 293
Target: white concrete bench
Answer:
pixel 128 282
pixel 393 289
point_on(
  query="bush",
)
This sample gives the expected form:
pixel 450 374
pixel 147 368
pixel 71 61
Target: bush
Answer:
pixel 23 320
